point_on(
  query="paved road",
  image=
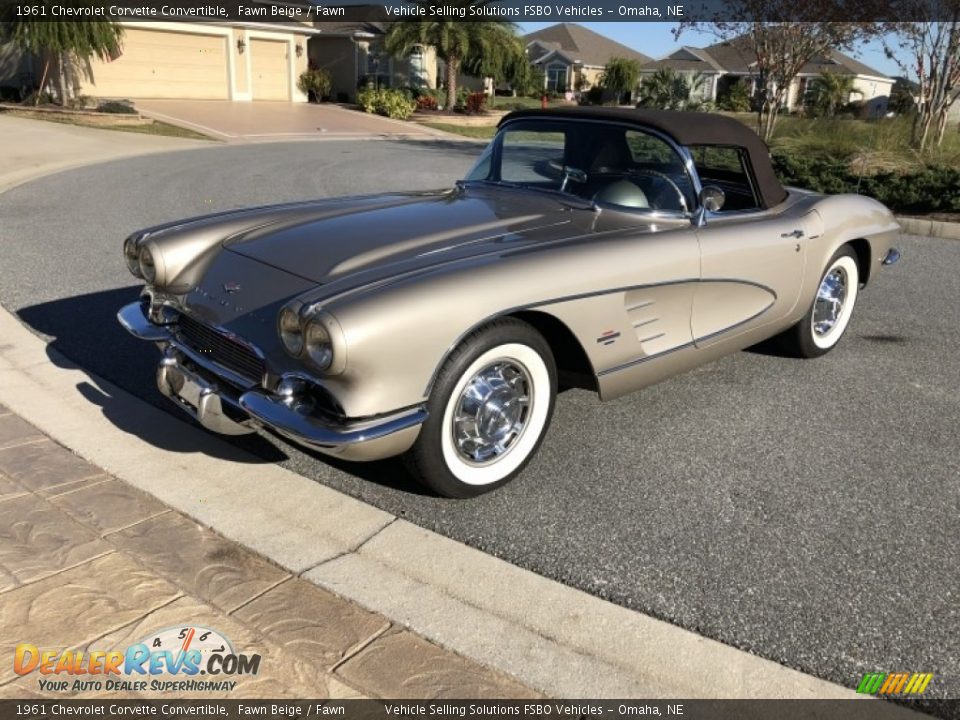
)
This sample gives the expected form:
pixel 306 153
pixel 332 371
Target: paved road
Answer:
pixel 806 511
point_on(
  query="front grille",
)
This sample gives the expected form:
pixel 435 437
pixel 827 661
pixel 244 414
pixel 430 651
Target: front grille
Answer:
pixel 217 347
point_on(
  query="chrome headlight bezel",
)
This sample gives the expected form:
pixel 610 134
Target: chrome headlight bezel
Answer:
pixel 323 347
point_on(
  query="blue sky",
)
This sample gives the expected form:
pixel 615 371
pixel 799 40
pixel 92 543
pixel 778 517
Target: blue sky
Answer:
pixel 656 39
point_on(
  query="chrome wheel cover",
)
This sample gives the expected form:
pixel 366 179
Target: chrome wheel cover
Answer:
pixel 492 412
pixel 828 306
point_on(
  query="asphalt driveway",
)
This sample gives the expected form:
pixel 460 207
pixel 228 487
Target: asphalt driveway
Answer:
pixel 805 511
pixel 258 121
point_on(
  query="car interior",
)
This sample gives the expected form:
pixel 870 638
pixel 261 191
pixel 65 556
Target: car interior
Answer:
pixel 616 165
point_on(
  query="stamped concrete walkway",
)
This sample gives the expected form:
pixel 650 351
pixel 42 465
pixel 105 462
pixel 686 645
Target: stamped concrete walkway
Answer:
pixel 89 562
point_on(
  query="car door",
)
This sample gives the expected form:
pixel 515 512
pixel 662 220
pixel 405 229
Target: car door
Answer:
pixel 751 260
pixel 751 271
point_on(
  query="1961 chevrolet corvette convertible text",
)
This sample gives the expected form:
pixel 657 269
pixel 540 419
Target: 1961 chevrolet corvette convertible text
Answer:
pixel 601 248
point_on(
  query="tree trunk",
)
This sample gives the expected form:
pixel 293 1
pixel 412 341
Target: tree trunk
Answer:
pixel 43 79
pixel 942 124
pixel 452 67
pixel 62 77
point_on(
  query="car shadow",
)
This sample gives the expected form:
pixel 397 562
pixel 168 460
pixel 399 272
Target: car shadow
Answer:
pixel 83 334
pixel 469 148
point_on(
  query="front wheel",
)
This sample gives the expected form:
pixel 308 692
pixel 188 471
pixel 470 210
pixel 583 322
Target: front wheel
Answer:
pixel 488 412
pixel 827 319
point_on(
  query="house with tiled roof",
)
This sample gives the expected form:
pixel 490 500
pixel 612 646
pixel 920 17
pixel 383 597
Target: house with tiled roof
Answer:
pixel 728 62
pixel 572 57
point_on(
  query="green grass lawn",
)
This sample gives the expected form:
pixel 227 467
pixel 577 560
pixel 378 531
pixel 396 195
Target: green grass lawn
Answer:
pixel 154 128
pixel 470 131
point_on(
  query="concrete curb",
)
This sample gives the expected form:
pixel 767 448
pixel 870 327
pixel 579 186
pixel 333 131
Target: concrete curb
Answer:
pixel 930 228
pixel 550 637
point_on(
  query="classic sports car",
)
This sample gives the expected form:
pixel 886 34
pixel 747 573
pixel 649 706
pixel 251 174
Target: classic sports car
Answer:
pixel 601 248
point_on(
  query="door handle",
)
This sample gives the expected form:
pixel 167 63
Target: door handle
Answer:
pixel 795 234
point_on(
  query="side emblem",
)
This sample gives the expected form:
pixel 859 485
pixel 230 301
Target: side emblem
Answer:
pixel 231 287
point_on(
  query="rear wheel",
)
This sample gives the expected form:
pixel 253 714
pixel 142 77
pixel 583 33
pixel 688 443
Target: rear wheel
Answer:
pixel 823 325
pixel 488 412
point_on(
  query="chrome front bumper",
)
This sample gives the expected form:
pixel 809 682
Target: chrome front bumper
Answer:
pixel 201 390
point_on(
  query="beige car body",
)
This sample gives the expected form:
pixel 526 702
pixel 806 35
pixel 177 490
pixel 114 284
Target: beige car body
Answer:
pixel 625 299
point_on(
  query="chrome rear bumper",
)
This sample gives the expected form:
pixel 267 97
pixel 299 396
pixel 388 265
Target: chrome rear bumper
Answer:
pixel 205 393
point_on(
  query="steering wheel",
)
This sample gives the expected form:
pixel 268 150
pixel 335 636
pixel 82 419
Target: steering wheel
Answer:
pixel 666 178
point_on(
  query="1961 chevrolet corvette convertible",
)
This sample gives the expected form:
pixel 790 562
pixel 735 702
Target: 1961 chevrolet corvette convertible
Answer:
pixel 601 248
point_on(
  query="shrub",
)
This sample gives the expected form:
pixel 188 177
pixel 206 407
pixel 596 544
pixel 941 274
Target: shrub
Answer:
pixel 927 190
pixel 595 95
pixel 8 93
pixel 315 83
pixel 475 102
pixel 395 104
pixel 737 98
pixel 426 102
pixel 81 102
pixel 117 107
pixel 38 98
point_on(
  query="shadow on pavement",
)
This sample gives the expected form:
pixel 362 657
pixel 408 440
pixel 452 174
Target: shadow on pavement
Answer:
pixel 84 333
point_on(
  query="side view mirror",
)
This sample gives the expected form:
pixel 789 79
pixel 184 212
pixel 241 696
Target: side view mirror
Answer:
pixel 572 174
pixel 712 198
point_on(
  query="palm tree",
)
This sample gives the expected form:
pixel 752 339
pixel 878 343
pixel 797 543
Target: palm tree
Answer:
pixel 66 41
pixel 831 91
pixel 500 56
pixel 667 89
pixel 454 41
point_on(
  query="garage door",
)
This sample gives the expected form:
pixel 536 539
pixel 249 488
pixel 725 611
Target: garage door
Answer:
pixel 157 64
pixel 271 70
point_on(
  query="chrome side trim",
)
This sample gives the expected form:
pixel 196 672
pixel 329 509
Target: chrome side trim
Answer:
pixel 274 413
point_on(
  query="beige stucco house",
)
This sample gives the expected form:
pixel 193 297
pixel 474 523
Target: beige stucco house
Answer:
pixel 572 57
pixel 189 60
pixel 725 63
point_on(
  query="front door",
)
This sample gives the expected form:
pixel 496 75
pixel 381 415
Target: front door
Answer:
pixel 751 273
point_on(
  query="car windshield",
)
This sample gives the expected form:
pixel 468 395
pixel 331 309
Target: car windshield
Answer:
pixel 605 163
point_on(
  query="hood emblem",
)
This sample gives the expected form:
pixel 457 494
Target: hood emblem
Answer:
pixel 231 287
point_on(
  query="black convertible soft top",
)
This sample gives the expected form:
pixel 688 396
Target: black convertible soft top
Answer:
pixel 686 128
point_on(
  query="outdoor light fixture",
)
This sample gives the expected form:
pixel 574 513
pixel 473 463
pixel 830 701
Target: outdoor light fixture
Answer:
pixel 299 50
pixel 241 45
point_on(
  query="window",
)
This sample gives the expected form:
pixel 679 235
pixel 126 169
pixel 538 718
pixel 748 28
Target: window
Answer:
pixel 608 164
pixel 533 157
pixel 728 169
pixel 557 78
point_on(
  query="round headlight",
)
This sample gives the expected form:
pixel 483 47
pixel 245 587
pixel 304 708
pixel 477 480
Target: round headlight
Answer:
pixel 131 256
pixel 148 269
pixel 290 333
pixel 318 344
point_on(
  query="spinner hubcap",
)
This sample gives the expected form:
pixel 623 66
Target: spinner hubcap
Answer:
pixel 492 412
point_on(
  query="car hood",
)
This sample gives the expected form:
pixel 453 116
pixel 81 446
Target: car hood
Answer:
pixel 403 232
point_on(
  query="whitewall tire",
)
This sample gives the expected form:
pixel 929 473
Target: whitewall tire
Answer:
pixel 488 412
pixel 829 314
